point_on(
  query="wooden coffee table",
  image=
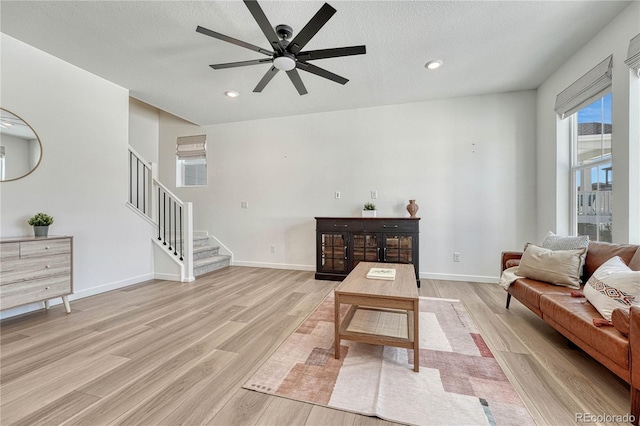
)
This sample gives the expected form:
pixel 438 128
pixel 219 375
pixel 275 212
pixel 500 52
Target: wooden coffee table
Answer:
pixel 382 312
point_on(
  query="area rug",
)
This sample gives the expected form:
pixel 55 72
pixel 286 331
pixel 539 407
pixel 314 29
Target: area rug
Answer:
pixel 459 382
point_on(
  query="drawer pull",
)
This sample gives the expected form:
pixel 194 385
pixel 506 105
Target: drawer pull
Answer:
pixel 47 266
pixel 46 248
pixel 335 225
pixel 47 288
pixel 389 226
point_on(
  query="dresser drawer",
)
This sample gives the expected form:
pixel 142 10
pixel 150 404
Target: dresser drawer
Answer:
pixel 44 248
pixel 391 225
pixel 16 270
pixel 9 251
pixel 340 225
pixel 34 291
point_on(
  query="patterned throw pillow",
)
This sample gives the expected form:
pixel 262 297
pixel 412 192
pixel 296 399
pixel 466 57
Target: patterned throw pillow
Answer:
pixel 557 242
pixel 613 285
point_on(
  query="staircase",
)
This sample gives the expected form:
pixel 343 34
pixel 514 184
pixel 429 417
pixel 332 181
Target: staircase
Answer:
pixel 206 257
pixel 179 253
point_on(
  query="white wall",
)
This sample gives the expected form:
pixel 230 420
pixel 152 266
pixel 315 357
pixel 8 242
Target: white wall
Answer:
pixel 553 149
pixel 82 121
pixel 144 129
pixel 469 163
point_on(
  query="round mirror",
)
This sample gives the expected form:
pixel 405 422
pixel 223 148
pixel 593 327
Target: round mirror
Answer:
pixel 20 147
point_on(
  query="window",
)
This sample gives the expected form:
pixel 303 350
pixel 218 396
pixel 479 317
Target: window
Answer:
pixel 191 161
pixel 592 172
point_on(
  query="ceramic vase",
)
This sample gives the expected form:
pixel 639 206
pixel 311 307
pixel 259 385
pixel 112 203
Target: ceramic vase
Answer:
pixel 412 208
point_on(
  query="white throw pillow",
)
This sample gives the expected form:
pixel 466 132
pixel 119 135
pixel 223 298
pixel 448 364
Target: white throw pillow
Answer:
pixel 558 242
pixel 613 285
pixel 559 267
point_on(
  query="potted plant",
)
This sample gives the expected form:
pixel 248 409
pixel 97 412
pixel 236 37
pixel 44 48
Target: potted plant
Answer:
pixel 369 210
pixel 40 223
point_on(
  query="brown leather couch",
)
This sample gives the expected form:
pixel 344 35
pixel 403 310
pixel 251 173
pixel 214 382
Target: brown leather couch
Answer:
pixel 573 318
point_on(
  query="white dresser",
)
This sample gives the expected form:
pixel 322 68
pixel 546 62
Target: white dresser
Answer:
pixel 35 269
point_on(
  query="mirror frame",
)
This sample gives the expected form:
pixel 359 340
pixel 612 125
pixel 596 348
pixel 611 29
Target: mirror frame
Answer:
pixel 39 143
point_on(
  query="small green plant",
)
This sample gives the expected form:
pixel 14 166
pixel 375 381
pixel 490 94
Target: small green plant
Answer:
pixel 41 219
pixel 369 206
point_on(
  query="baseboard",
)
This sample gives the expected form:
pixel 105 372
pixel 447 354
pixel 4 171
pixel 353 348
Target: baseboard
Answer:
pixel 19 310
pixel 425 275
pixel 274 265
pixel 454 277
pixel 167 277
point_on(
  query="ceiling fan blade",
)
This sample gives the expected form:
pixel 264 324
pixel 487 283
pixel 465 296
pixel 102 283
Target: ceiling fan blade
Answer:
pixel 321 72
pixel 240 64
pixel 264 24
pixel 232 40
pixel 297 81
pixel 313 26
pixel 266 79
pixel 331 53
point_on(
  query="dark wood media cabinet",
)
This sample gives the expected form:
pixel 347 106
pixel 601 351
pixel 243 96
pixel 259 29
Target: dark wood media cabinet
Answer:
pixel 343 242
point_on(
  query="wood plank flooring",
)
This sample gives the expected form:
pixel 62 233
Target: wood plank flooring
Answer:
pixel 166 353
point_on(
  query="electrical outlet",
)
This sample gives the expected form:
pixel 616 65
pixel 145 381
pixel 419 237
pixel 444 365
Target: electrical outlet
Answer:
pixel 244 204
pixel 374 195
pixel 456 257
pixel 273 248
pixel 337 195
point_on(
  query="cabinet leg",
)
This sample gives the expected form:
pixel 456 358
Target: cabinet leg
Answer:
pixel 46 304
pixel 336 322
pixel 67 307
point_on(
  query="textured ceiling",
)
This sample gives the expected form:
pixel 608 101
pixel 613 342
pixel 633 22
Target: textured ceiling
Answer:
pixel 152 49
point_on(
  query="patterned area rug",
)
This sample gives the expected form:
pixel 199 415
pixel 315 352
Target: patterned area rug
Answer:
pixel 459 383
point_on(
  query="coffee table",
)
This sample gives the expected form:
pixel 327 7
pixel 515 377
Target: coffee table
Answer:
pixel 382 312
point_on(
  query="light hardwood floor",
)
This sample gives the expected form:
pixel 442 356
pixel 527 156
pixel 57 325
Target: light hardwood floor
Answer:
pixel 165 353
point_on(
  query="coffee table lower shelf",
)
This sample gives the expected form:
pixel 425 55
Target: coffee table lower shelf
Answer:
pixel 378 326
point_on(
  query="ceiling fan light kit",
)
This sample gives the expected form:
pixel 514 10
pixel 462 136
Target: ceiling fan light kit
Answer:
pixel 287 55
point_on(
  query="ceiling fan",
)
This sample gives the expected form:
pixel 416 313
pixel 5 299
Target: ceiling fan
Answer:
pixel 287 55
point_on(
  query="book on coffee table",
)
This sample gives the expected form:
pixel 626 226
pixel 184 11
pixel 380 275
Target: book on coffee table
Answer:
pixel 382 274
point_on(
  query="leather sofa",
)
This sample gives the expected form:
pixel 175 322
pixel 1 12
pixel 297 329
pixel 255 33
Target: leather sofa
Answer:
pixel 574 318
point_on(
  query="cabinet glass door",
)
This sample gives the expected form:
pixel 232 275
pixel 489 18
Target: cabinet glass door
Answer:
pixel 398 248
pixel 334 253
pixel 365 248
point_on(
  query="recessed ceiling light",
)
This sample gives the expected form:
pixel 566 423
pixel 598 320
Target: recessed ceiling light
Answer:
pixel 433 65
pixel 232 93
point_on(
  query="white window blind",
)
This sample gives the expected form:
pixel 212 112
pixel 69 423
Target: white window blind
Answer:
pixel 588 88
pixel 191 147
pixel 633 56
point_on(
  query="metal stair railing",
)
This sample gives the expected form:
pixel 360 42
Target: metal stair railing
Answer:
pixel 172 217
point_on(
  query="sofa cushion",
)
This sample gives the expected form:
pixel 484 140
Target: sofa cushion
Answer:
pixel 529 292
pixel 560 267
pixel 613 285
pixel 600 252
pixel 576 316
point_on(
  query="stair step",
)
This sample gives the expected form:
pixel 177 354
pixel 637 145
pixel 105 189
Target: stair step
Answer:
pixel 210 264
pixel 202 252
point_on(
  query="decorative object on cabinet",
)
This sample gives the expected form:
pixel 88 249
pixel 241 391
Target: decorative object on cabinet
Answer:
pixel 369 210
pixel 40 223
pixel 343 242
pixel 35 269
pixel 21 150
pixel 412 208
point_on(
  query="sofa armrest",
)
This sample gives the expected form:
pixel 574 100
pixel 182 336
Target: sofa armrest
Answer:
pixel 634 361
pixel 509 255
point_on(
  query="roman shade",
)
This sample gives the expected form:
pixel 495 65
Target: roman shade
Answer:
pixel 633 56
pixel 191 147
pixel 591 86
